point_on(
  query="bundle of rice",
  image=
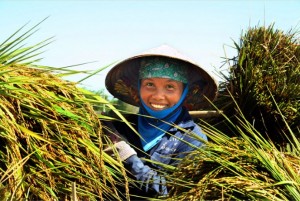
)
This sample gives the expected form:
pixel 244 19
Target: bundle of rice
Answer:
pixel 238 169
pixel 50 136
pixel 265 78
pixel 260 97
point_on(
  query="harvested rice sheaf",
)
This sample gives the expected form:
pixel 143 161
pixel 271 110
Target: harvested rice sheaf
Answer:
pixel 264 80
pixel 252 153
pixel 50 137
pixel 237 170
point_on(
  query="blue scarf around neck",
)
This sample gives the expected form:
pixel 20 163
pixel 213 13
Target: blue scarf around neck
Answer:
pixel 153 129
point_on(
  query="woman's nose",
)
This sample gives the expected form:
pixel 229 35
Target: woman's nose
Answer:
pixel 158 94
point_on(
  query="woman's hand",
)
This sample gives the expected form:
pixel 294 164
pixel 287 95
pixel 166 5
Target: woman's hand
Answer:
pixel 119 145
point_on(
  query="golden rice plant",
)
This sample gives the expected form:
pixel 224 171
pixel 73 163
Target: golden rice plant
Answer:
pixel 254 153
pixel 248 167
pixel 50 136
pixel 267 62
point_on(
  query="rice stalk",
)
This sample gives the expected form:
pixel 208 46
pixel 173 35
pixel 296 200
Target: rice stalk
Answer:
pixel 50 135
pixel 267 59
pixel 238 168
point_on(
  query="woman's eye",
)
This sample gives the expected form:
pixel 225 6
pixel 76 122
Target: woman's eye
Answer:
pixel 149 84
pixel 170 87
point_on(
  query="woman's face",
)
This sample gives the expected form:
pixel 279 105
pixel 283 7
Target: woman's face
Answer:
pixel 160 93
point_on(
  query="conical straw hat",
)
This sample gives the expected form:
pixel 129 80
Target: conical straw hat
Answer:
pixel 122 80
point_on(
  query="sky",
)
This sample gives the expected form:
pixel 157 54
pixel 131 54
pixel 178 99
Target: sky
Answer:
pixel 103 32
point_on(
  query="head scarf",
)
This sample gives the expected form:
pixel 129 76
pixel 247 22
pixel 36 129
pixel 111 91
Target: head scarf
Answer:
pixel 163 67
pixel 153 129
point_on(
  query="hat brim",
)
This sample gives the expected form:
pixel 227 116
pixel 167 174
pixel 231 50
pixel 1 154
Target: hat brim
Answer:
pixel 122 81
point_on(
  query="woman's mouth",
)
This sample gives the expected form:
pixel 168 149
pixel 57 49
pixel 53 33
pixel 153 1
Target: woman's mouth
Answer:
pixel 158 106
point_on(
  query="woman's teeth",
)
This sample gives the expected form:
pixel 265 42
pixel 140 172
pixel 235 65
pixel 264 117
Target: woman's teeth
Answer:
pixel 158 106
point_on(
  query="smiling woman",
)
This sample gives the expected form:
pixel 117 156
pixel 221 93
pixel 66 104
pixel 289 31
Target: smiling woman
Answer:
pixel 160 93
pixel 162 81
pixel 168 83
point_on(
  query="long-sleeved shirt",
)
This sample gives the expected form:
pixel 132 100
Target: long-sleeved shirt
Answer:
pixel 174 145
